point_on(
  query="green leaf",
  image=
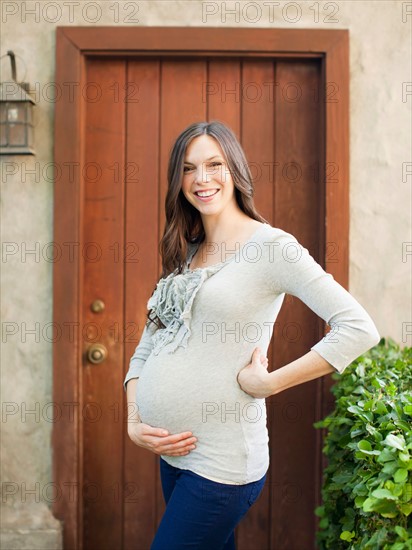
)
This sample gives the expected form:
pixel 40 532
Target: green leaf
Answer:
pixel 324 522
pixel 347 535
pixel 400 475
pixel 377 383
pixel 383 493
pixel 406 509
pixel 395 441
pixel 404 456
pixel 401 531
pixel 368 405
pixel 398 546
pixel 373 431
pixel 387 508
pixel 364 445
pixel 380 408
pixel 398 489
pixel 369 504
pixel 359 500
pixel 386 455
pixel 390 467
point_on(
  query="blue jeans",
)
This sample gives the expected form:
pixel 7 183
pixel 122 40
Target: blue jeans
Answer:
pixel 201 514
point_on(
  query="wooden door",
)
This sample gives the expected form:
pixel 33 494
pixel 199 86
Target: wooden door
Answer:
pixel 131 109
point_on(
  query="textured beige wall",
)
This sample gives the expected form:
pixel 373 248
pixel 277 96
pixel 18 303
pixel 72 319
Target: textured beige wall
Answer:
pixel 380 221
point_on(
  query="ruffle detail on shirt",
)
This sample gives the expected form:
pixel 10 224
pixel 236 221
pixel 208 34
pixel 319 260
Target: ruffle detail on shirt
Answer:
pixel 172 302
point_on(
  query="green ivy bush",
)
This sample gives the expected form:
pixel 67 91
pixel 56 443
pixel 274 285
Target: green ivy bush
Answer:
pixel 367 485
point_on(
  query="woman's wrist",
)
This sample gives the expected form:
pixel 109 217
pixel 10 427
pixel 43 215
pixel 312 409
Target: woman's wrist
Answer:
pixel 272 383
pixel 133 416
pixel 301 370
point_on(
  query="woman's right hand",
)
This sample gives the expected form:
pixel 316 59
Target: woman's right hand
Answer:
pixel 157 440
pixel 153 440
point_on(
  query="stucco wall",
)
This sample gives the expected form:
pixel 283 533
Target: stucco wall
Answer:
pixel 380 192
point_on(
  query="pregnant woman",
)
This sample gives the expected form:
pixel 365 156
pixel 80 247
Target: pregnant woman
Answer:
pixel 199 375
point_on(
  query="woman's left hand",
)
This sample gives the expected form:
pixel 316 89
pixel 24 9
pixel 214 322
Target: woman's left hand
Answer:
pixel 254 378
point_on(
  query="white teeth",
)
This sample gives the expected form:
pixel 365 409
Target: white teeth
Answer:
pixel 206 193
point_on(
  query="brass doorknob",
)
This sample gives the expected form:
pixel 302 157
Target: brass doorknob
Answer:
pixel 97 306
pixel 97 353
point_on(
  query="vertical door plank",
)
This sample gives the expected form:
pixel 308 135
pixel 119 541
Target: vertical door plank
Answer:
pixel 298 201
pixel 258 141
pixel 222 92
pixel 258 128
pixel 182 81
pixel 141 269
pixel 103 278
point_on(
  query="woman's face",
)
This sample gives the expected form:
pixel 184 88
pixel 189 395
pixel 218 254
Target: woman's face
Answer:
pixel 205 171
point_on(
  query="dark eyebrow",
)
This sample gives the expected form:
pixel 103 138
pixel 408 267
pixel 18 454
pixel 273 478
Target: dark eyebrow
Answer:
pixel 206 159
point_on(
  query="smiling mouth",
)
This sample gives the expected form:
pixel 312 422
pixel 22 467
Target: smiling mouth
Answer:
pixel 206 196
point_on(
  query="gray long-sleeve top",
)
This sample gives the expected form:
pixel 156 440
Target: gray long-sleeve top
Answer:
pixel 215 317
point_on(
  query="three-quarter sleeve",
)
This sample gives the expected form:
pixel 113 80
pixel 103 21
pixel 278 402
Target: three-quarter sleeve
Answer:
pixel 291 269
pixel 141 353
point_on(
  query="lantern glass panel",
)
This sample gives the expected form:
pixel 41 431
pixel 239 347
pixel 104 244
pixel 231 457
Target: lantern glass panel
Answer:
pixel 3 112
pixel 29 114
pixel 17 133
pixel 16 112
pixel 3 135
pixel 30 133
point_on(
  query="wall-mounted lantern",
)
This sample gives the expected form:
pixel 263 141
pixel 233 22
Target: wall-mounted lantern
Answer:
pixel 16 116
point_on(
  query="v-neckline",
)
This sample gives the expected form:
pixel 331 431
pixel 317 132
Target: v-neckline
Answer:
pixel 231 259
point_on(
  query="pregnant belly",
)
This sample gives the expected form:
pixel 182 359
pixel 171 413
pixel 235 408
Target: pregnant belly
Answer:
pixel 180 396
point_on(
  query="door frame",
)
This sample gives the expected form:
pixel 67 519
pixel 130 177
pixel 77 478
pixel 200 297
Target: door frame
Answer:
pixel 73 46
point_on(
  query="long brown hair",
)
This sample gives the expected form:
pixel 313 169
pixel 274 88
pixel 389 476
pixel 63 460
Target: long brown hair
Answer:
pixel 183 221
